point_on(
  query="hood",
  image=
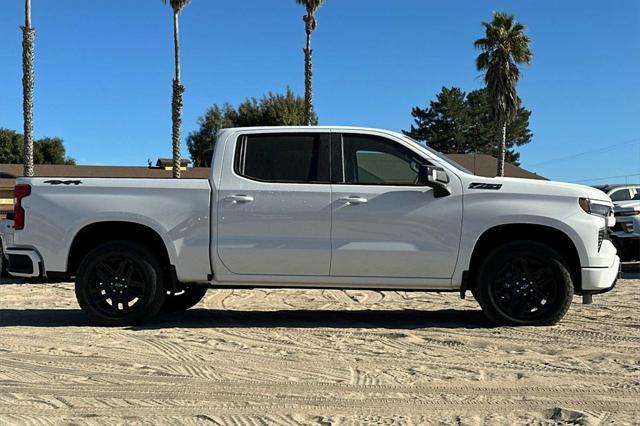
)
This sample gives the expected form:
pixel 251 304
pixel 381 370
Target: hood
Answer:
pixel 535 186
pixel 628 204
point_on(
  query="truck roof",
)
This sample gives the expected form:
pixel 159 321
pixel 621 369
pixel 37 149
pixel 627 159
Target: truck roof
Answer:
pixel 301 128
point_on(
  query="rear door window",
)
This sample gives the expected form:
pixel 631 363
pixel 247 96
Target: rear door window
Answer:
pixel 284 158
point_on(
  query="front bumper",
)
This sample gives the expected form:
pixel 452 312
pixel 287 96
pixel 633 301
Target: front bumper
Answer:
pixel 625 235
pixel 600 280
pixel 24 263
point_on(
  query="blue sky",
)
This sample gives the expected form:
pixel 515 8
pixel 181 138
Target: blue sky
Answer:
pixel 104 69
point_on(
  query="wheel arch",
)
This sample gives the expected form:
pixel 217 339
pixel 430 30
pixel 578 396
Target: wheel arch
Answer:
pixel 94 234
pixel 555 238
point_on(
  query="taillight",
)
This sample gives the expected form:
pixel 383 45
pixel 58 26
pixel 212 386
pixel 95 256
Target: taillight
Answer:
pixel 20 191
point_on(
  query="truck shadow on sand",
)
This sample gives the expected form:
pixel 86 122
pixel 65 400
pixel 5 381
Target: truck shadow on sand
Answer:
pixel 210 318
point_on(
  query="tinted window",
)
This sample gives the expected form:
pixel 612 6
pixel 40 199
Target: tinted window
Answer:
pixel 292 158
pixel 620 195
pixel 370 160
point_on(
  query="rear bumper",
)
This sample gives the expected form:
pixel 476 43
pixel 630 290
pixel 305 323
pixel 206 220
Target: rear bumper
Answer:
pixel 24 263
pixel 600 280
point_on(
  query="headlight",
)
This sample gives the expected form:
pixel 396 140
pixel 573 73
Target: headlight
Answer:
pixel 594 208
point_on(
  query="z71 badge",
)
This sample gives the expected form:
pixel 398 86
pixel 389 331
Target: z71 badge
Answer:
pixel 492 186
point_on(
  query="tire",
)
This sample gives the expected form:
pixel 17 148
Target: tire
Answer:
pixel 507 298
pixel 184 299
pixel 120 283
pixel 4 262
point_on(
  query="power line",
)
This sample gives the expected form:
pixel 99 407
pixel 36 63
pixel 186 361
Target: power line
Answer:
pixel 584 153
pixel 605 178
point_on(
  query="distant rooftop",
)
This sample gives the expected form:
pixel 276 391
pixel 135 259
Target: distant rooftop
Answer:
pixel 480 164
pixel 168 162
pixel 486 165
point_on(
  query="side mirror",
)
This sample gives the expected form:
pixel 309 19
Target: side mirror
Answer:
pixel 436 178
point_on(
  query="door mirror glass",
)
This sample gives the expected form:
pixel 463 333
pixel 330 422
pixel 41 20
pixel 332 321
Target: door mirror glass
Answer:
pixel 431 175
pixel 436 178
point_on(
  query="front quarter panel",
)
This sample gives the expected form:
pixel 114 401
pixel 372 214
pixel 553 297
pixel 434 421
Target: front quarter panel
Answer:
pixel 502 201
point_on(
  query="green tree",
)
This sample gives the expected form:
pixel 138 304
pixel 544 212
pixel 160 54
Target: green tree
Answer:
pixel 504 47
pixel 445 124
pixel 310 23
pixel 177 89
pixel 201 142
pixel 484 130
pixel 51 151
pixel 462 123
pixel 45 150
pixel 28 59
pixel 11 147
pixel 272 109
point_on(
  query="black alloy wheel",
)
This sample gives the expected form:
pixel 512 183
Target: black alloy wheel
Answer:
pixel 524 283
pixel 120 283
pixel 526 288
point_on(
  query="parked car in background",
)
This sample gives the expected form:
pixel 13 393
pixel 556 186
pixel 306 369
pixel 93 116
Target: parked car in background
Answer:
pixel 625 235
pixel 620 193
pixel 317 207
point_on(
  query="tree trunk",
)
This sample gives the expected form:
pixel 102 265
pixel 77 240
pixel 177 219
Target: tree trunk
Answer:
pixel 176 100
pixel 28 54
pixel 502 148
pixel 308 74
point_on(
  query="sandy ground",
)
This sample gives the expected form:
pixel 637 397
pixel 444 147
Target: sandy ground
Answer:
pixel 317 357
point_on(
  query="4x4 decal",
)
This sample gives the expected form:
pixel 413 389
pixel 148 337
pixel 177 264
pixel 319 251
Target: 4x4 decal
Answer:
pixel 63 182
pixel 492 186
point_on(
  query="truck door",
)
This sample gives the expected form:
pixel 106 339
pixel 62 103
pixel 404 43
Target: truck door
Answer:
pixel 385 223
pixel 274 205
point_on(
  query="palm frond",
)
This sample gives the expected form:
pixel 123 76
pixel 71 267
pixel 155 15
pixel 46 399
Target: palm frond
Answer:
pixel 482 43
pixel 504 46
pixel 518 28
pixel 482 61
pixel 177 5
pixel 311 5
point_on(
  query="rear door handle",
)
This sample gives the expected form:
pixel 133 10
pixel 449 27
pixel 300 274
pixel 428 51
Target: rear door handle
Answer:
pixel 239 198
pixel 353 200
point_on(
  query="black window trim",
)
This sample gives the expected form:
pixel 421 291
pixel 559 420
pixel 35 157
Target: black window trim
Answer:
pixel 338 151
pixel 239 157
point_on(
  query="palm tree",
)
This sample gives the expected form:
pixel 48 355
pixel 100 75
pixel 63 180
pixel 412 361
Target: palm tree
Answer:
pixel 178 88
pixel 28 53
pixel 310 24
pixel 504 46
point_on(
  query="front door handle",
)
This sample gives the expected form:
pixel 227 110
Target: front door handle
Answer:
pixel 353 200
pixel 239 198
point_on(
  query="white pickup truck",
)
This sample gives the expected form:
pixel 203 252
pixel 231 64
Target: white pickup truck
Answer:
pixel 316 207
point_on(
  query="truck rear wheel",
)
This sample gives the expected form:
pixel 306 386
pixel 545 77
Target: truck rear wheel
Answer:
pixel 120 283
pixel 3 262
pixel 524 283
pixel 184 299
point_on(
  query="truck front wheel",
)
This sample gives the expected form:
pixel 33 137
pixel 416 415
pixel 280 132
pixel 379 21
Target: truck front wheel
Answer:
pixel 524 283
pixel 120 283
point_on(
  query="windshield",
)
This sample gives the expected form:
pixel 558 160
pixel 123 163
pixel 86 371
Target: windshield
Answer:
pixel 440 156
